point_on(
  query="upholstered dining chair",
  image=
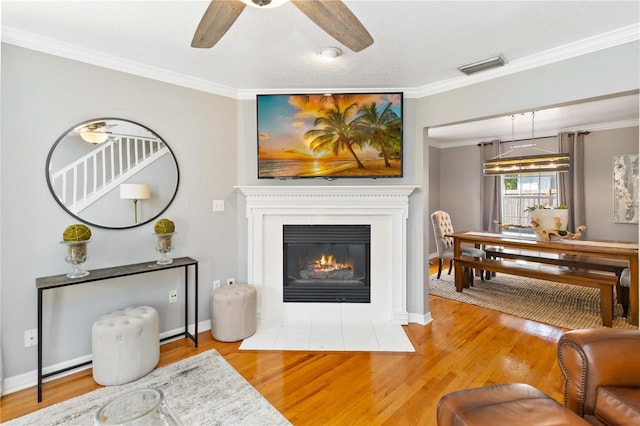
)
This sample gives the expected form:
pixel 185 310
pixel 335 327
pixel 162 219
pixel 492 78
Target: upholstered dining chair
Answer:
pixel 441 227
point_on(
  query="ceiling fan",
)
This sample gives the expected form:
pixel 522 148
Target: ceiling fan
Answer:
pixel 333 16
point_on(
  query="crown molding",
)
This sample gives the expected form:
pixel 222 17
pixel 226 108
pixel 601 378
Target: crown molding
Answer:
pixel 560 53
pixel 70 51
pixel 597 127
pixel 92 57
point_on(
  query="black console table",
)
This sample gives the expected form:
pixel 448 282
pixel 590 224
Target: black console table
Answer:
pixel 55 281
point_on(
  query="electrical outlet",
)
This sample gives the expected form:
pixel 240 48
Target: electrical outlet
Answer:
pixel 231 281
pixel 30 338
pixel 216 284
pixel 173 296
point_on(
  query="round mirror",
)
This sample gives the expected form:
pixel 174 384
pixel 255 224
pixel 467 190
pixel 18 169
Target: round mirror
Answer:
pixel 112 173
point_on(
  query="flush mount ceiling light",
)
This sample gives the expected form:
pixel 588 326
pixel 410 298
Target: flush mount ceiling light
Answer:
pixel 329 53
pixel 484 64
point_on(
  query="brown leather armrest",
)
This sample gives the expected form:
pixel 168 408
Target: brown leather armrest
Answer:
pixel 594 357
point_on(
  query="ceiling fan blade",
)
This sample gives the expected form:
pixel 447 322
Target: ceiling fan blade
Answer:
pixel 334 17
pixel 215 22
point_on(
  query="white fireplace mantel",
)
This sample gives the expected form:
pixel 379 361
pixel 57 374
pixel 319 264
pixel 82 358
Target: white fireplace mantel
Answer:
pixel 385 208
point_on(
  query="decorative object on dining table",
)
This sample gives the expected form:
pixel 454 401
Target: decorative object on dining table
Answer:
pixel 136 408
pixel 550 218
pixel 164 230
pixel 549 234
pixel 76 237
pixel 548 223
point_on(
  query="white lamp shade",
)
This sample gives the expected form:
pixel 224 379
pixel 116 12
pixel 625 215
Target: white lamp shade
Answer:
pixel 135 191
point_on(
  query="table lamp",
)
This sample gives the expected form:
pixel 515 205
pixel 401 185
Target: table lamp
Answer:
pixel 135 192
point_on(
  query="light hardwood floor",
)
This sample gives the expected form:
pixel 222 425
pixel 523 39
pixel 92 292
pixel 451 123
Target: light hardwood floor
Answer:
pixel 465 346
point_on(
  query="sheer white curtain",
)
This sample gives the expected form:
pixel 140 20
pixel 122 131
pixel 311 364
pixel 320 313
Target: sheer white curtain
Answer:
pixel 490 190
pixel 571 183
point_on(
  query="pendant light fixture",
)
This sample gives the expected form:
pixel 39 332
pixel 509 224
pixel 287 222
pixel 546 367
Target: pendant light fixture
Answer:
pixel 548 162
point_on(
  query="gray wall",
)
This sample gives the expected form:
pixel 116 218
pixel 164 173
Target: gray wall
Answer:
pixel 600 147
pixel 214 140
pixel 42 96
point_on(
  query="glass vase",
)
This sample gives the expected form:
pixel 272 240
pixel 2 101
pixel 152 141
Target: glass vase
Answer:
pixel 143 407
pixel 76 256
pixel 164 247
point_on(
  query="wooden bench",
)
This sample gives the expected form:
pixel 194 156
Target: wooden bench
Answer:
pixel 585 263
pixel 570 261
pixel 603 282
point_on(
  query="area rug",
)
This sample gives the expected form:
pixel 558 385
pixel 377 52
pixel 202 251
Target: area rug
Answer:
pixel 560 305
pixel 201 390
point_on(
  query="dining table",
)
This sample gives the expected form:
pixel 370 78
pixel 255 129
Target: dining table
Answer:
pixel 565 248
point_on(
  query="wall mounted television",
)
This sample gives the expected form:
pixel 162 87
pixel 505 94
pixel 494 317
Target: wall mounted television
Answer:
pixel 339 135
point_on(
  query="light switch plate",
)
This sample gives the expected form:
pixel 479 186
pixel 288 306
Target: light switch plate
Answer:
pixel 218 205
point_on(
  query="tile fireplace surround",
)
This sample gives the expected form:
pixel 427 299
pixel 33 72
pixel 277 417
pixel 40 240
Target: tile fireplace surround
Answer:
pixel 385 208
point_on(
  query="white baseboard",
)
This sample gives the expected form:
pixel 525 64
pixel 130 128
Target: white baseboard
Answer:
pixel 420 319
pixel 30 378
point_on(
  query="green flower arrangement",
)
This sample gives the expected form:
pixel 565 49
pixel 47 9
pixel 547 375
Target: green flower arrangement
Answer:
pixel 76 232
pixel 76 237
pixel 164 226
pixel 164 229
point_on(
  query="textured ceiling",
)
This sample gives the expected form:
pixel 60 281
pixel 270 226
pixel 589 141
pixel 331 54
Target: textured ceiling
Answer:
pixel 417 49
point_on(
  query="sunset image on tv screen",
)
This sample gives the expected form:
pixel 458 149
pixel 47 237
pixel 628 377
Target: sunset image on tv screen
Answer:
pixel 330 135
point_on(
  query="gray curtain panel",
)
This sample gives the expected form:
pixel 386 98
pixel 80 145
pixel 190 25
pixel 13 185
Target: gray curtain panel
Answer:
pixel 571 184
pixel 490 190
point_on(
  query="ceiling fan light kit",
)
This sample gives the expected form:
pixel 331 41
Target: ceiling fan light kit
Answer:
pixel 484 64
pixel 264 4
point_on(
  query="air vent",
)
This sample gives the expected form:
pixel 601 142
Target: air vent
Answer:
pixel 485 64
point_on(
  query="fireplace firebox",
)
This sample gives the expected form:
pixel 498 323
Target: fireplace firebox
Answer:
pixel 326 263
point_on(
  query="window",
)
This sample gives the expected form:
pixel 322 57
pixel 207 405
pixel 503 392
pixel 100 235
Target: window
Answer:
pixel 521 191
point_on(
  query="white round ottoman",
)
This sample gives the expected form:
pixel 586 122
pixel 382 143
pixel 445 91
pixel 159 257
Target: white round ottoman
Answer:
pixel 233 312
pixel 125 345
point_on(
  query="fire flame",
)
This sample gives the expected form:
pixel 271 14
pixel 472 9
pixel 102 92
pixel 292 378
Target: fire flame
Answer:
pixel 329 263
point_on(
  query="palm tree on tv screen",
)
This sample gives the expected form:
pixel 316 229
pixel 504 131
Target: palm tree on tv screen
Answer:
pixel 382 130
pixel 337 132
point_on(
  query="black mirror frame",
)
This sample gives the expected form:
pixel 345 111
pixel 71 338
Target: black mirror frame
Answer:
pixel 66 133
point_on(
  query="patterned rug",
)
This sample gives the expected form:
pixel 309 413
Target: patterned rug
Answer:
pixel 201 390
pixel 560 305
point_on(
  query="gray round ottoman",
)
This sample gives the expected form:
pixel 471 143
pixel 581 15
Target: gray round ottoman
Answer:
pixel 233 312
pixel 125 345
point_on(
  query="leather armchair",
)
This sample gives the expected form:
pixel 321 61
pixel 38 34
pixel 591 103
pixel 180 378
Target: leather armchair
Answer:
pixel 602 374
pixel 602 387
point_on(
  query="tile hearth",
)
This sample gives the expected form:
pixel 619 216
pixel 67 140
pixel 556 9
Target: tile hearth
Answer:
pixel 343 332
